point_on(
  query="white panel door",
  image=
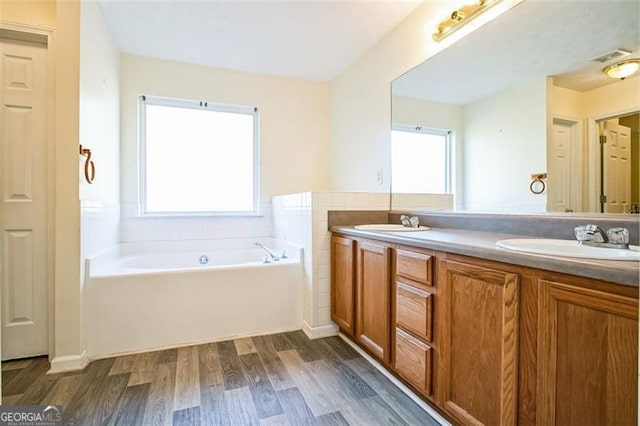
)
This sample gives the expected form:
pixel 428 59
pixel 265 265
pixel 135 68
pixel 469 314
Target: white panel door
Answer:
pixel 616 167
pixel 23 208
pixel 559 169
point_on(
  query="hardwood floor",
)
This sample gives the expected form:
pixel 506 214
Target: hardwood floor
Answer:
pixel 281 379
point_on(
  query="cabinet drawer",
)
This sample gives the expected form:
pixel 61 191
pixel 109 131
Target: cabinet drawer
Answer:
pixel 414 266
pixel 413 361
pixel 414 309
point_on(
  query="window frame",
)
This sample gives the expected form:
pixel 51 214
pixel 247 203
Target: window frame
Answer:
pixel 143 101
pixel 448 135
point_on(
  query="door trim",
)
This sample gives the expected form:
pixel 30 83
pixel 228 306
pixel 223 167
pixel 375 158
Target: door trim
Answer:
pixel 49 33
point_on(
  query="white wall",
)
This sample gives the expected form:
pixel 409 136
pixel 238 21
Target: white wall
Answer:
pixel 99 132
pixel 505 136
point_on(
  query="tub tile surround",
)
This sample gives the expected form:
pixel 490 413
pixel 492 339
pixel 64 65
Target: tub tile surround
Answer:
pixel 303 219
pixel 100 224
pixel 135 228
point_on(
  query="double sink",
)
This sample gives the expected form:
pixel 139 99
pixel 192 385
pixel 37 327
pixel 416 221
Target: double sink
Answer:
pixel 548 247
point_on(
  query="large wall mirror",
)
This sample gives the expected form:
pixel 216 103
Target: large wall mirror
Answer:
pixel 520 117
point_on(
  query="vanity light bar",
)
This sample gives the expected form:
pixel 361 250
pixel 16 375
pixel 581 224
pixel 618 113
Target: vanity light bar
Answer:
pixel 461 17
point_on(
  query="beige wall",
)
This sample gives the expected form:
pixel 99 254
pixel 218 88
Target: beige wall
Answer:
pixel 64 18
pixel 32 12
pixel 294 119
pixel 622 96
pixel 613 99
pixel 68 300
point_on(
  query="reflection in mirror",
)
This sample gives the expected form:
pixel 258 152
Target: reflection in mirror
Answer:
pixel 522 96
pixel 421 166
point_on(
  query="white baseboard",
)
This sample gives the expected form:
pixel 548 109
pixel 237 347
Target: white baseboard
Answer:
pixel 62 364
pixel 319 332
pixel 415 398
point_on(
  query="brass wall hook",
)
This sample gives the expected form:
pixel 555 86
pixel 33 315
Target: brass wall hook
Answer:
pixel 89 166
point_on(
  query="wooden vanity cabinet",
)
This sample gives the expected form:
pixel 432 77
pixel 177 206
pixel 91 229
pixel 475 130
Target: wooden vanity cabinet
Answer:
pixel 478 343
pixel 343 289
pixel 490 343
pixel 373 294
pixel 588 356
pixel 413 298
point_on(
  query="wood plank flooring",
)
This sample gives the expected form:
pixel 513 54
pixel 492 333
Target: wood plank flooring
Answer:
pixel 281 379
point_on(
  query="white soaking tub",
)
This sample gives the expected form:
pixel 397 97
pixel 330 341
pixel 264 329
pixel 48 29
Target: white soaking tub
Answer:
pixel 142 296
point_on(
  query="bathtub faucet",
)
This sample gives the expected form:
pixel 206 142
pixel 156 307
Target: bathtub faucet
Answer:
pixel 271 256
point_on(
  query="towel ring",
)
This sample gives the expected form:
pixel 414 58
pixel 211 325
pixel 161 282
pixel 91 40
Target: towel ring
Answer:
pixel 89 166
pixel 537 185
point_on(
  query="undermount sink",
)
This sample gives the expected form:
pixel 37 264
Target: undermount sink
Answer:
pixel 569 248
pixel 389 227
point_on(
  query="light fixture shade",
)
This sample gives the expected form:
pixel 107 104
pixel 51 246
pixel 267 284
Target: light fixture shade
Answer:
pixel 622 69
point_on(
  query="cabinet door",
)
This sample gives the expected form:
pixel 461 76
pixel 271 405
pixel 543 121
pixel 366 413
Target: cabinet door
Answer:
pixel 373 296
pixel 343 283
pixel 478 347
pixel 588 357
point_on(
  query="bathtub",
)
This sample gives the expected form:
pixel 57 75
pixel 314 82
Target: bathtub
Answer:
pixel 145 296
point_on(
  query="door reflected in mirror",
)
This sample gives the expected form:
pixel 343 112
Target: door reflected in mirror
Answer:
pixel 535 102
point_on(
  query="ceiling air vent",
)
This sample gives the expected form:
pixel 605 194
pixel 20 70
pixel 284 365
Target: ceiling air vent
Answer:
pixel 612 56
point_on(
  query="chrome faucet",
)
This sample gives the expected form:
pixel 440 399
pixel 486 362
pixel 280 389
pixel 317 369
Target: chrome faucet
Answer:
pixel 593 235
pixel 270 256
pixel 410 222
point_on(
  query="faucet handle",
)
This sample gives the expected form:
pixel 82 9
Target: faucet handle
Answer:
pixel 595 233
pixel 581 234
pixel 618 235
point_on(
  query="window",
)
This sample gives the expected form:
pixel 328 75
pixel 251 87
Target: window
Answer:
pixel 197 157
pixel 420 160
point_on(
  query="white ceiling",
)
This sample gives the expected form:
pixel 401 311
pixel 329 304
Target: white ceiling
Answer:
pixel 536 38
pixel 307 39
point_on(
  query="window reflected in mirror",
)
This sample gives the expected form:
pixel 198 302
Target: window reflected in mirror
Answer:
pixel 421 165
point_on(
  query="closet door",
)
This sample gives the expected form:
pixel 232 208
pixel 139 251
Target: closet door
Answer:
pixel 23 204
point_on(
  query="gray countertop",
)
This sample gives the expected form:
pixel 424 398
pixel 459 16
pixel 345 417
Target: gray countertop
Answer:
pixel 483 245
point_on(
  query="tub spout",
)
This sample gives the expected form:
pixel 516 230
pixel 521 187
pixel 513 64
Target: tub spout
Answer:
pixel 273 257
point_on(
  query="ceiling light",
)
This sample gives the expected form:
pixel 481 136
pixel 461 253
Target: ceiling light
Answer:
pixel 460 17
pixel 622 69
